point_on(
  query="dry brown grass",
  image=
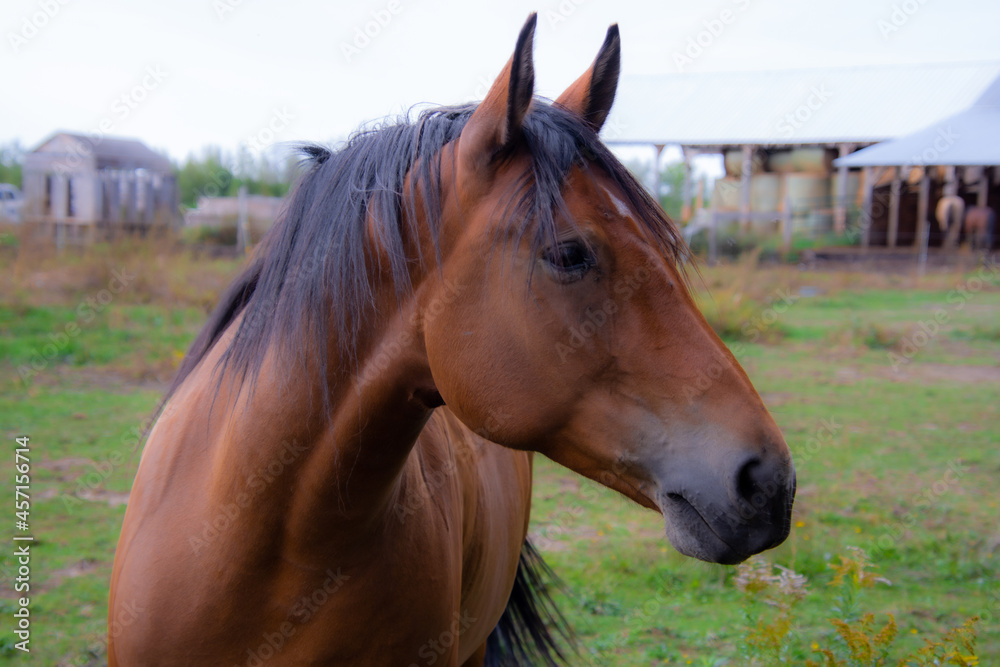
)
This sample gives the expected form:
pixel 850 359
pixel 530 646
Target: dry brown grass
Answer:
pixel 160 270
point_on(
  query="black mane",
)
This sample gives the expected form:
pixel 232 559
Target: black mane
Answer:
pixel 316 258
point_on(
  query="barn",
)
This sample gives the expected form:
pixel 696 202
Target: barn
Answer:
pixel 77 187
pixel 794 142
pixel 957 156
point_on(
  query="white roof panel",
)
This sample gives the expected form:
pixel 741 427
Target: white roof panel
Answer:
pixel 968 138
pixel 804 106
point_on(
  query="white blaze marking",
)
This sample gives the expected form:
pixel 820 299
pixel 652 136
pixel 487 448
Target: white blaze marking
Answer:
pixel 621 206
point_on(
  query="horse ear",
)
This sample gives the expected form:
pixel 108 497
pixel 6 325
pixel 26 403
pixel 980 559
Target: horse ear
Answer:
pixel 592 95
pixel 496 124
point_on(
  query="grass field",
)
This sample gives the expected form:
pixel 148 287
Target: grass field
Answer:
pixel 886 387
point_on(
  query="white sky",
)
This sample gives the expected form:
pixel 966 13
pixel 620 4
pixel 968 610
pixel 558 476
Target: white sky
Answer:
pixel 231 71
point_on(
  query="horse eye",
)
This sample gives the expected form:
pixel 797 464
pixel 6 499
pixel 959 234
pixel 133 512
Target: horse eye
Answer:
pixel 569 261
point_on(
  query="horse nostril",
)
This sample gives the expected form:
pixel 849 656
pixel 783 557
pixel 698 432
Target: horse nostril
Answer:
pixel 746 487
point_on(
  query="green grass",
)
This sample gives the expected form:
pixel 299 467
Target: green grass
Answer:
pixel 879 480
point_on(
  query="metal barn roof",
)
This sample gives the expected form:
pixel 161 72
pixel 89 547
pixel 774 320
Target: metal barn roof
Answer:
pixel 803 106
pixel 968 138
pixel 106 151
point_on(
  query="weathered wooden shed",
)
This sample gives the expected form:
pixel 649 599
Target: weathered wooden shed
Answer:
pixel 781 132
pixel 80 186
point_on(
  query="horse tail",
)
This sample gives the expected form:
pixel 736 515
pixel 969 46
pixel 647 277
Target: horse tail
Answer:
pixel 532 630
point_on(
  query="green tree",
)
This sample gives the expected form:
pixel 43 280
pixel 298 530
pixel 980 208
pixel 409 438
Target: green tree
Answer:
pixel 204 177
pixel 215 174
pixel 671 184
pixel 672 189
pixel 11 158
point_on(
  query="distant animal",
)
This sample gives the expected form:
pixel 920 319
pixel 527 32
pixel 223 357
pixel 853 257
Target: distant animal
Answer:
pixel 341 472
pixel 949 212
pixel 980 222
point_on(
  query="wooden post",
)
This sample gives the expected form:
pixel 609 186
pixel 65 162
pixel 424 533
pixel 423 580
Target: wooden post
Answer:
pixel 123 196
pixel 745 179
pixel 713 231
pixel 923 224
pixel 60 196
pixel 149 215
pixel 686 189
pixel 840 205
pixel 897 186
pixel 866 206
pixel 131 196
pixel 983 189
pixel 786 223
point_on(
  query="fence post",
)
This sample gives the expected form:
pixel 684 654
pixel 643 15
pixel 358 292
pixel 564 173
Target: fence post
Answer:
pixel 786 224
pixel 713 232
pixel 923 224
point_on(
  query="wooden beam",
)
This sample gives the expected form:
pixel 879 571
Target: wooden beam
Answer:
pixel 786 224
pixel 713 230
pixel 923 224
pixel 840 203
pixel 866 206
pixel 686 189
pixel 130 196
pixel 745 179
pixel 895 193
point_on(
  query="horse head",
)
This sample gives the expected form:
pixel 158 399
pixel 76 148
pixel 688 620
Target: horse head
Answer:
pixel 574 333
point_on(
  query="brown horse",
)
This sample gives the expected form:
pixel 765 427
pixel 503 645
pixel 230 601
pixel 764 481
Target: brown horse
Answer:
pixel 980 222
pixel 341 472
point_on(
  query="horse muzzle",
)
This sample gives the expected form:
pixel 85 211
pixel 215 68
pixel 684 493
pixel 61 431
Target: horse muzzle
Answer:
pixel 729 522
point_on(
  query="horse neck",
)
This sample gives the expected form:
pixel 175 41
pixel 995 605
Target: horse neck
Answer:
pixel 350 426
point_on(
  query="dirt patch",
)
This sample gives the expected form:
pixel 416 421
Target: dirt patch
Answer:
pixel 55 577
pixel 68 463
pixel 112 498
pixel 914 372
pixel 71 468
pixel 775 399
pixel 77 569
pixel 104 379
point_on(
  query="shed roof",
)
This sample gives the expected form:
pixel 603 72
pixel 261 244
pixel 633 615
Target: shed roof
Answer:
pixel 800 106
pixel 967 138
pixel 108 152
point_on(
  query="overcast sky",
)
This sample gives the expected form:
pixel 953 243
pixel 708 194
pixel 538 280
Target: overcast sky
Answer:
pixel 184 74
